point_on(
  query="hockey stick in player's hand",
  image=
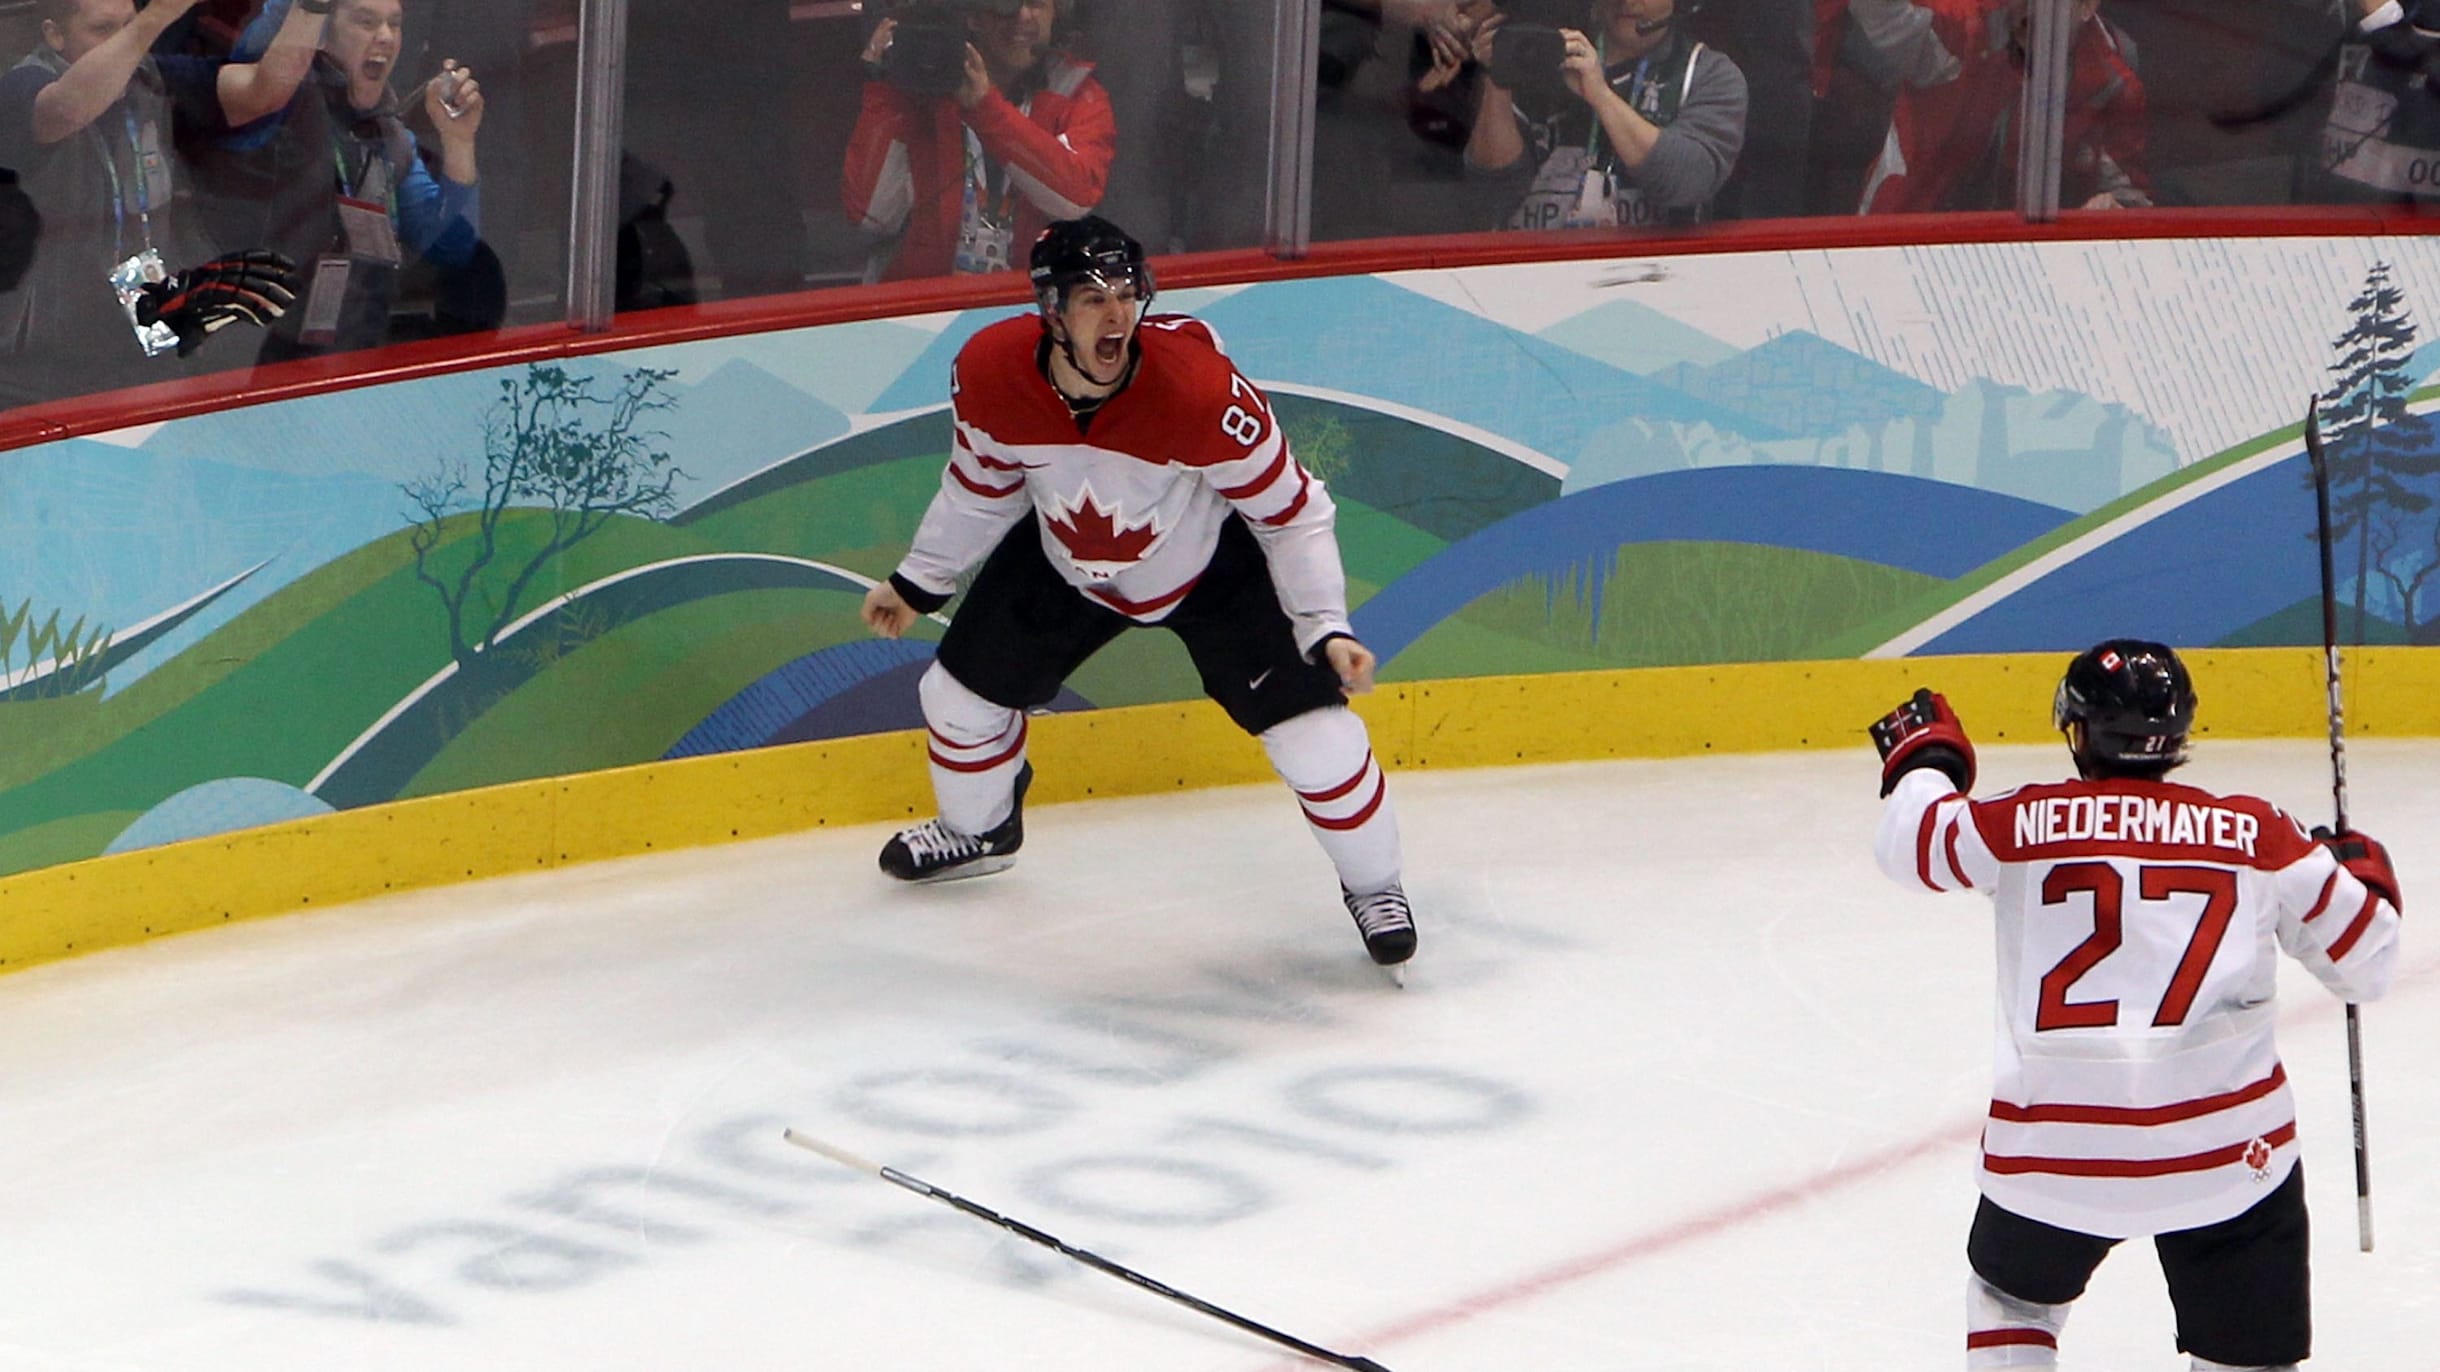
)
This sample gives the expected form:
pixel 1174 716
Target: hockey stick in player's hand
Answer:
pixel 2338 795
pixel 1093 1260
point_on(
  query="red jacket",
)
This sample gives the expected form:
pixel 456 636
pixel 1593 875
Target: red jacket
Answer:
pixel 1955 121
pixel 906 163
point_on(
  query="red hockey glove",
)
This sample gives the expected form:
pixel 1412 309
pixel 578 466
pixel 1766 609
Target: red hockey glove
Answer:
pixel 2368 859
pixel 242 288
pixel 1924 732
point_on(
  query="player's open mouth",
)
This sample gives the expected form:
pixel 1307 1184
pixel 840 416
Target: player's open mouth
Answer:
pixel 1109 350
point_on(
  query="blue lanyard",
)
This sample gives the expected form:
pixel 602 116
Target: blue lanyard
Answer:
pixel 118 194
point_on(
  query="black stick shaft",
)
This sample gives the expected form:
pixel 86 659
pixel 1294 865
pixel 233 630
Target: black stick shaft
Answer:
pixel 2338 798
pixel 1093 1260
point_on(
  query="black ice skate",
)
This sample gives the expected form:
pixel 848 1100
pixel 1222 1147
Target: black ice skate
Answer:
pixel 1387 923
pixel 932 851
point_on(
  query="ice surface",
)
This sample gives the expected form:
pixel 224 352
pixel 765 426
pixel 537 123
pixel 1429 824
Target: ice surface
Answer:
pixel 1680 1081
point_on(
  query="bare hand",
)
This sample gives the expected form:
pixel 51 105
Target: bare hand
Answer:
pixel 1449 54
pixel 977 84
pixel 2103 201
pixel 1581 68
pixel 453 101
pixel 879 45
pixel 1484 33
pixel 1353 662
pixel 886 612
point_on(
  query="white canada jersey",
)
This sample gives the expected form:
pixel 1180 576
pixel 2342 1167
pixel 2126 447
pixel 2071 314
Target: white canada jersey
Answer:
pixel 1131 505
pixel 2138 1087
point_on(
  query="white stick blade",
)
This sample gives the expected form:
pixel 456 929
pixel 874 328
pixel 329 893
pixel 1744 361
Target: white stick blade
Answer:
pixel 831 1151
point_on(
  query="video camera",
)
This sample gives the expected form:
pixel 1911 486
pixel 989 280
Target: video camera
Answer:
pixel 1528 52
pixel 927 53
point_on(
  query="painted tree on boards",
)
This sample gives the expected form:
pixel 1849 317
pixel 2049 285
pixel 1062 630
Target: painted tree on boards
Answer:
pixel 2381 457
pixel 574 450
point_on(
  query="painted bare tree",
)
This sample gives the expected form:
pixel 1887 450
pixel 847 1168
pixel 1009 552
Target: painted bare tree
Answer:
pixel 569 447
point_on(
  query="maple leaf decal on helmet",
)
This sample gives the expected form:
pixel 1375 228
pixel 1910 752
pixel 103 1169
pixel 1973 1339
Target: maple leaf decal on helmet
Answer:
pixel 1102 543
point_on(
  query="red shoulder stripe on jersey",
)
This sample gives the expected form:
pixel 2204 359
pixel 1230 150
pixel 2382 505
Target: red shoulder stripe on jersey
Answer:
pixel 1143 607
pixel 1325 797
pixel 1923 847
pixel 1380 792
pixel 2136 1167
pixel 2004 1338
pixel 994 463
pixel 2140 1114
pixel 1304 491
pixel 988 492
pixel 958 765
pixel 2355 929
pixel 1948 847
pixel 1261 483
pixel 2321 903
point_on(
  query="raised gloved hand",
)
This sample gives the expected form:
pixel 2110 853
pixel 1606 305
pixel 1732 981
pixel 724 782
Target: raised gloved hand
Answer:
pixel 1923 732
pixel 2368 859
pixel 241 288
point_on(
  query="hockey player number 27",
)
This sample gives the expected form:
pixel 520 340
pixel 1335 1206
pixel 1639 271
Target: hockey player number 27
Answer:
pixel 2218 888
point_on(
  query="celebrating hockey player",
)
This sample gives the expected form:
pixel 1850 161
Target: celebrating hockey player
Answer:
pixel 1112 468
pixel 2138 1087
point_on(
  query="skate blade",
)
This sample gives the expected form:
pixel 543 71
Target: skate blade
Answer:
pixel 1397 974
pixel 980 867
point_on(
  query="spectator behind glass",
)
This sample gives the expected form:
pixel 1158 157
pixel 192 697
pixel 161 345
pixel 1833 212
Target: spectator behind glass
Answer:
pixel 957 170
pixel 336 182
pixel 1631 123
pixel 87 119
pixel 2382 141
pixel 1952 141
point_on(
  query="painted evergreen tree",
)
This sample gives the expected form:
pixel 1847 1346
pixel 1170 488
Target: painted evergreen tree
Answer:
pixel 2377 451
pixel 554 443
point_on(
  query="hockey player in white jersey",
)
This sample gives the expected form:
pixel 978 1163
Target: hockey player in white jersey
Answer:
pixel 2138 1088
pixel 1111 469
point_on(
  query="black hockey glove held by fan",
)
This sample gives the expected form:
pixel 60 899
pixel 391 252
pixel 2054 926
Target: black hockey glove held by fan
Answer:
pixel 1923 732
pixel 241 288
pixel 2368 858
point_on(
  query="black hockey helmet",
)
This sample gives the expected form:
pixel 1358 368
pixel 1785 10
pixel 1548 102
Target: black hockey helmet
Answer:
pixel 2126 704
pixel 1088 251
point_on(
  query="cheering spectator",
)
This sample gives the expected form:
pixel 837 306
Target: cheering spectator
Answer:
pixel 336 182
pixel 1952 141
pixel 87 119
pixel 970 143
pixel 1631 123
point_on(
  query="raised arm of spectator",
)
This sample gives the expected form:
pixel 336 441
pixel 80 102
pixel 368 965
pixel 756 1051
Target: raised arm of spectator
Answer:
pixel 250 90
pixel 1920 38
pixel 95 81
pixel 442 220
pixel 1496 142
pixel 877 176
pixel 1062 170
pixel 1684 163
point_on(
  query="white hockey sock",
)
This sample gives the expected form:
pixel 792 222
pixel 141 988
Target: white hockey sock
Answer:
pixel 1325 756
pixel 976 749
pixel 2002 1331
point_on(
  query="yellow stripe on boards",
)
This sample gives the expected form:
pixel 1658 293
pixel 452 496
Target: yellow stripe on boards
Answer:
pixel 79 907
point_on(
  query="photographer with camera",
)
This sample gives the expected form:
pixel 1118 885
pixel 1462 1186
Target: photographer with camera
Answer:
pixel 974 136
pixel 1626 122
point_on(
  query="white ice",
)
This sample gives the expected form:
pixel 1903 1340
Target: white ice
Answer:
pixel 1680 1082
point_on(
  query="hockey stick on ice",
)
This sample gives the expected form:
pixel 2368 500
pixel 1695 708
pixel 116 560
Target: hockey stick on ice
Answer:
pixel 2338 796
pixel 1093 1260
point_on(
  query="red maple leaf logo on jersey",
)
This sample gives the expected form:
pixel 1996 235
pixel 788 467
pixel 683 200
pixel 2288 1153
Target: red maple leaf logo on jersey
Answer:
pixel 1101 542
pixel 2258 1158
